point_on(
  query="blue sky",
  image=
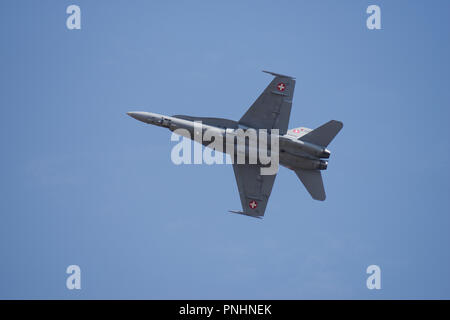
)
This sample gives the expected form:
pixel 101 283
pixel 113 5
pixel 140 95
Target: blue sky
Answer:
pixel 84 184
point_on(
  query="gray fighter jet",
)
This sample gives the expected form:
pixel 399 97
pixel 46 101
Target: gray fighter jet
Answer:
pixel 300 149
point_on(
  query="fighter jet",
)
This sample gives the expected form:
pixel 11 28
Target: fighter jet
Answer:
pixel 301 150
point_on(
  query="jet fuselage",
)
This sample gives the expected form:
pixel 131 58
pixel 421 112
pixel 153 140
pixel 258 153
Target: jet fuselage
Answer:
pixel 292 153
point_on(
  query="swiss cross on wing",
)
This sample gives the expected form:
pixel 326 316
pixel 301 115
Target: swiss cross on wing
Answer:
pixel 281 86
pixel 253 204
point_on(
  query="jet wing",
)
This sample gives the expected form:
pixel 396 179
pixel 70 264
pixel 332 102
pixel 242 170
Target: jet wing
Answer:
pixel 254 188
pixel 272 109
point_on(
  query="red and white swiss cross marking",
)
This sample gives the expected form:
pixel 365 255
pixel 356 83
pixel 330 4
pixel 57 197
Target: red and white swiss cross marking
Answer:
pixel 281 86
pixel 296 131
pixel 253 204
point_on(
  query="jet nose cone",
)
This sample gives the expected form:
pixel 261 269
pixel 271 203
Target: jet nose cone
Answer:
pixel 141 116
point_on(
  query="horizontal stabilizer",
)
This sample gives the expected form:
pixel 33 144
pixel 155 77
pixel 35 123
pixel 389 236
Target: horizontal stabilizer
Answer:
pixel 312 180
pixel 323 135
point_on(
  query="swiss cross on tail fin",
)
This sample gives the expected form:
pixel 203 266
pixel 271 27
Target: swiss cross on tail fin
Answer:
pixel 272 109
pixel 298 132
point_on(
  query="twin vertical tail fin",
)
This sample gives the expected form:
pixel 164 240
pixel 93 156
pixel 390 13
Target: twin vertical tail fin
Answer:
pixel 322 136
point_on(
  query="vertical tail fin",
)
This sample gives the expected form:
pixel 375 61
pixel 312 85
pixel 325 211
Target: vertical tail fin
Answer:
pixel 324 134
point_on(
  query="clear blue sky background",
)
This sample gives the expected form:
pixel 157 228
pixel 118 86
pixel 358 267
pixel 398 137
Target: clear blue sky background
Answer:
pixel 82 183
